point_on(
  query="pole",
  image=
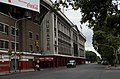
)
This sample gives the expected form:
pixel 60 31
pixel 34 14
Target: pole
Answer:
pixel 16 40
pixel 15 45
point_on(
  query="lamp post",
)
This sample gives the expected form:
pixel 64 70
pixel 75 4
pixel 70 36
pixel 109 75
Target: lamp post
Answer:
pixel 15 66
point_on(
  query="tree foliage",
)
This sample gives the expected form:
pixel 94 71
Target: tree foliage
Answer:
pixel 93 11
pixel 91 56
pixel 108 43
pixel 104 17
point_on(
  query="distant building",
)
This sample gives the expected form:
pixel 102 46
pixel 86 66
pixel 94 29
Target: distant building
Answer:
pixel 49 37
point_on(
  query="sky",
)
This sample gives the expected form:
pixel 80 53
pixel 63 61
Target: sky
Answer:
pixel 75 18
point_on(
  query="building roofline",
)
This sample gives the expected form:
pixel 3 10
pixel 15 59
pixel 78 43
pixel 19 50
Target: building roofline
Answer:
pixel 65 17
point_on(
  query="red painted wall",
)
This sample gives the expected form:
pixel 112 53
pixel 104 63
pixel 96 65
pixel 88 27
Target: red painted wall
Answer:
pixel 4 66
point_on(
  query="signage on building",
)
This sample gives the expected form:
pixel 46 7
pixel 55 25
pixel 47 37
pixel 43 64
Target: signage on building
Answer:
pixel 48 34
pixel 46 59
pixel 28 4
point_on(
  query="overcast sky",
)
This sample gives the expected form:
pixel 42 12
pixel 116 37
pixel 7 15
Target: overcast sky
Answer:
pixel 75 18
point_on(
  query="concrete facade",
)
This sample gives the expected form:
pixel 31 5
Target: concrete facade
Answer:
pixel 49 37
pixel 60 37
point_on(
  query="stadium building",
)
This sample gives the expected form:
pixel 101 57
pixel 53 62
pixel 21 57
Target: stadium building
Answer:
pixel 30 31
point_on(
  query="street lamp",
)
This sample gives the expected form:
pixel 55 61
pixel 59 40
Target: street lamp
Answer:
pixel 16 38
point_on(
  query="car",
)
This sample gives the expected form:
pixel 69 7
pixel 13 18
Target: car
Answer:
pixel 99 62
pixel 71 64
pixel 105 62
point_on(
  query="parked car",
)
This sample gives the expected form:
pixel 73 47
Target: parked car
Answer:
pixel 104 62
pixel 99 62
pixel 71 64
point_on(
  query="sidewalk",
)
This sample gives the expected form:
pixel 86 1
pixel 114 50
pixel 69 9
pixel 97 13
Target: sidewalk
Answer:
pixel 113 67
pixel 12 72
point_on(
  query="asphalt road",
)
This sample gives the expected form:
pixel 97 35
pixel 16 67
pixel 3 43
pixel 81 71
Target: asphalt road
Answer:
pixel 89 71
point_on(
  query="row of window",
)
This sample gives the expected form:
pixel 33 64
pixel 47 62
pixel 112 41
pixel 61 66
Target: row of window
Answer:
pixel 66 30
pixel 5 44
pixel 63 28
pixel 32 50
pixel 62 47
pixel 31 36
pixel 81 53
pixel 63 37
pixel 4 28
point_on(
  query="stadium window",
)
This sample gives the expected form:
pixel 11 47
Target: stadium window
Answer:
pixel 12 30
pixel 30 34
pixel 4 44
pixel 37 37
pixel 6 29
pixel 1 27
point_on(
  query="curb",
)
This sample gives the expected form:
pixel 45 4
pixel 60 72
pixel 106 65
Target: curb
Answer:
pixel 5 73
pixel 13 72
pixel 113 68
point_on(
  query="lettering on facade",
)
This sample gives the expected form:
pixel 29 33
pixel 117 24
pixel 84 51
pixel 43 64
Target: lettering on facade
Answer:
pixel 48 34
pixel 46 59
pixel 30 5
pixel 9 1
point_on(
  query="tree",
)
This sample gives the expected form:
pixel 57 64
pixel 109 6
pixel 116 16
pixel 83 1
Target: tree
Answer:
pixel 108 35
pixel 93 11
pixel 91 56
pixel 104 17
pixel 107 45
pixel 98 58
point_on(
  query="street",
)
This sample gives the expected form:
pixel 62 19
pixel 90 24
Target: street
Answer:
pixel 88 71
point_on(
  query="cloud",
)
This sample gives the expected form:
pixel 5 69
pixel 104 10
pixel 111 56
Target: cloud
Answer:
pixel 88 33
pixel 92 49
pixel 75 17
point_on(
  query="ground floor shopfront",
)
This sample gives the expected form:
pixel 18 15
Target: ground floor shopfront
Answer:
pixel 26 61
pixel 57 60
